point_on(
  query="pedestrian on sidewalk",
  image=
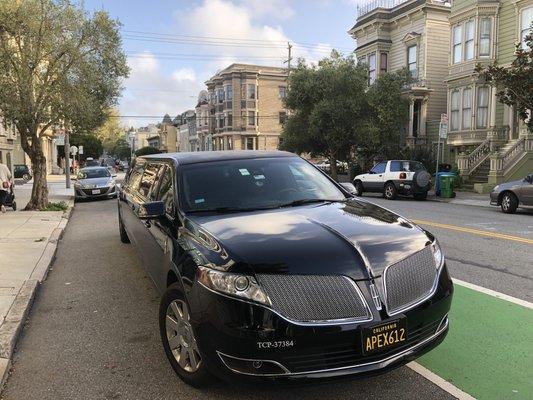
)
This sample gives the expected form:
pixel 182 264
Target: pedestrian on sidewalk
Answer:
pixel 6 180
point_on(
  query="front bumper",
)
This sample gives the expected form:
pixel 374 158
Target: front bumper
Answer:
pixel 494 198
pixel 104 192
pixel 245 341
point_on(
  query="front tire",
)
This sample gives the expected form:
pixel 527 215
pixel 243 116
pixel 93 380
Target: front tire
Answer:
pixel 509 203
pixel 358 189
pixel 389 191
pixel 179 341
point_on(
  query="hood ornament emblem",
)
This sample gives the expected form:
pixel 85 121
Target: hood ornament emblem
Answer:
pixel 375 296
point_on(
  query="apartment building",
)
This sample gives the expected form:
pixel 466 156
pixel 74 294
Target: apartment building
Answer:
pixel 186 136
pixel 413 34
pixel 8 134
pixel 205 140
pixel 139 137
pixel 246 107
pixel 487 139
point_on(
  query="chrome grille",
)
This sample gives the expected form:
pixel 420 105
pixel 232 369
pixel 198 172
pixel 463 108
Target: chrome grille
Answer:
pixel 409 281
pixel 315 298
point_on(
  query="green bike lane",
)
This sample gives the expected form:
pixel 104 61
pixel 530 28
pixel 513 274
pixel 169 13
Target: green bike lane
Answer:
pixel 488 352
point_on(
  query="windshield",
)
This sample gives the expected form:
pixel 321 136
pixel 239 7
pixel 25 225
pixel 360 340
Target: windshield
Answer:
pixel 93 173
pixel 253 184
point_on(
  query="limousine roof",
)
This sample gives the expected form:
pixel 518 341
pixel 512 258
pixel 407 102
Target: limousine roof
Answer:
pixel 207 156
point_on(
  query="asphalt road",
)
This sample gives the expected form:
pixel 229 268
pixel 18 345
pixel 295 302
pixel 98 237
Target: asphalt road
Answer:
pixel 92 333
pixel 504 265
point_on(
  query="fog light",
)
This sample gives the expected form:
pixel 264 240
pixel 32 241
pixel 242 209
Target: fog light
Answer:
pixel 242 283
pixel 253 367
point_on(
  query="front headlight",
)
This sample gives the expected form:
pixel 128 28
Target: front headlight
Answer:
pixel 237 285
pixel 437 254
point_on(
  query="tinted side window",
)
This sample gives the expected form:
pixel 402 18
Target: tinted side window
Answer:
pixel 135 177
pixel 166 192
pixel 395 166
pixel 148 179
pixel 379 168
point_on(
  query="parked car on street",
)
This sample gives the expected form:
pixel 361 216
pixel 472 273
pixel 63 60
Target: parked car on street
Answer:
pixel 94 182
pixel 22 171
pixel 270 269
pixel 393 178
pixel 512 195
pixel 91 162
pixel 325 166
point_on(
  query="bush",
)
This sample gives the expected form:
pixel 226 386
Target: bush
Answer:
pixel 61 206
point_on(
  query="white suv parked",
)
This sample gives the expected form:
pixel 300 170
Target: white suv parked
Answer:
pixel 395 177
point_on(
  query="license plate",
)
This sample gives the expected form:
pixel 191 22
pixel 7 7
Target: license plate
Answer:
pixel 97 191
pixel 385 336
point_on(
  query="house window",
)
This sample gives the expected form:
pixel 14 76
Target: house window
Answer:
pixel 251 118
pixel 455 109
pixel 526 20
pixel 220 95
pixel 371 68
pixel 457 44
pixel 282 117
pixel 411 60
pixel 482 106
pixel 467 108
pixel 282 92
pixel 484 37
pixel 469 40
pixel 229 119
pixel 229 92
pixel 250 91
pixel 383 63
pixel 361 60
pixel 249 143
pixel 230 143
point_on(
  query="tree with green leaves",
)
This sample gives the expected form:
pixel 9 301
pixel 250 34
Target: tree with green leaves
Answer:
pixel 121 149
pixel 144 151
pixel 58 65
pixel 328 106
pixel 514 84
pixel 92 146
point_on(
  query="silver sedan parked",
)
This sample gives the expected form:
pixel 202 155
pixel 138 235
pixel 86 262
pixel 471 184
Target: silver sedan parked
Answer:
pixel 511 195
pixel 94 182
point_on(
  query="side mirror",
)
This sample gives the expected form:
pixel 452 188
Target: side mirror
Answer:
pixel 152 210
pixel 349 187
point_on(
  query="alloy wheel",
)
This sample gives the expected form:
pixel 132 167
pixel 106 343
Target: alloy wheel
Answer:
pixel 506 202
pixel 180 336
pixel 388 191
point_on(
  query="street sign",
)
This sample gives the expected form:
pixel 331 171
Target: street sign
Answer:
pixel 443 130
pixel 80 150
pixel 73 150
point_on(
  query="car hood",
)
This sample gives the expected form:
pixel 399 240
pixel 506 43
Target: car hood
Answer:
pixel 356 239
pixel 95 182
pixel 509 185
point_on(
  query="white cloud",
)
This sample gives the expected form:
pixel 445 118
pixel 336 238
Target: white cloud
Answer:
pixel 151 92
pixel 279 9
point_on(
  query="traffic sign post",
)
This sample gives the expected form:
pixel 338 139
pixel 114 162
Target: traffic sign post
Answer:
pixel 443 135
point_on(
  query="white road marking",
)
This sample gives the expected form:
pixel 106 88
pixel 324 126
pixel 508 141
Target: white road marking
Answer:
pixel 440 382
pixel 493 293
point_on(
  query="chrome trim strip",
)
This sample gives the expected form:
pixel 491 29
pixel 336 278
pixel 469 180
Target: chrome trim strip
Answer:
pixel 386 361
pixel 344 321
pixel 418 302
pixel 220 354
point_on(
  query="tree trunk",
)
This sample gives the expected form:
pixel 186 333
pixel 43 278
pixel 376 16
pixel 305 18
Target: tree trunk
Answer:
pixel 333 166
pixel 34 149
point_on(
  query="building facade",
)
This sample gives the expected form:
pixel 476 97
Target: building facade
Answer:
pixel 486 138
pixel 205 140
pixel 139 138
pixel 8 135
pixel 412 34
pixel 246 107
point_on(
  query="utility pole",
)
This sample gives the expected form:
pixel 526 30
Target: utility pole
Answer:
pixel 289 58
pixel 67 159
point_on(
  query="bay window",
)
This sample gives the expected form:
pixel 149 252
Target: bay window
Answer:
pixel 469 40
pixel 411 60
pixel 455 107
pixel 383 63
pixel 457 44
pixel 482 106
pixel 371 68
pixel 526 19
pixel 250 91
pixel 484 37
pixel 467 108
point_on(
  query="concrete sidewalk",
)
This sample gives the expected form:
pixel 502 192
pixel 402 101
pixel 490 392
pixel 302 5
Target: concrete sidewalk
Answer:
pixel 463 198
pixel 28 242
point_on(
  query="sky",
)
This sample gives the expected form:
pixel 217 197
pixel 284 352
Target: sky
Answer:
pixel 174 46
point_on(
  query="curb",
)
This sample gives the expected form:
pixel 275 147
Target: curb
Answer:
pixel 14 321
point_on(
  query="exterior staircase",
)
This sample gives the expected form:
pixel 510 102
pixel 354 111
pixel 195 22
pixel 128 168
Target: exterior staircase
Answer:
pixel 481 173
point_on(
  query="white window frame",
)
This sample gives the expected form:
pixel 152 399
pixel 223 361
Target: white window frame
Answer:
pixel 469 41
pixel 481 38
pixel 523 31
pixel 458 45
pixel 484 107
pixel 409 62
pixel 463 108
pixel 372 69
pixel 455 117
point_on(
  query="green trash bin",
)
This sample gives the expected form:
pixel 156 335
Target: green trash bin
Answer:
pixel 446 188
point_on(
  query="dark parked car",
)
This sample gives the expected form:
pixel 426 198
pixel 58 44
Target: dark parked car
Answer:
pixel 511 195
pixel 94 182
pixel 269 269
pixel 22 171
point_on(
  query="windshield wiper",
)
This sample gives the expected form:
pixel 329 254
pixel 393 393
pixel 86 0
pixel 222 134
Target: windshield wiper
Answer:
pixel 301 202
pixel 222 210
